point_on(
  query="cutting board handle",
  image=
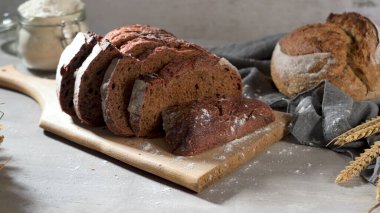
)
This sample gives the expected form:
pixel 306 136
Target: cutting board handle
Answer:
pixel 35 87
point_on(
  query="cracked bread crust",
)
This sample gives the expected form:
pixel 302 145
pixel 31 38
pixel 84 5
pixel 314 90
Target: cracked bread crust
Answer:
pixel 179 82
pixel 200 125
pixel 347 42
pixel 364 36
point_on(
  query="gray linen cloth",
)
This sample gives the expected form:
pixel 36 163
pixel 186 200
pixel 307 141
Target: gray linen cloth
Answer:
pixel 319 114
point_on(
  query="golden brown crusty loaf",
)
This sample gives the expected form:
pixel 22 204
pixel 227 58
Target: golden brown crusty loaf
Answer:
pixel 344 50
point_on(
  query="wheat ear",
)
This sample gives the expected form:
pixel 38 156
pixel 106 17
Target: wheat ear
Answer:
pixel 361 131
pixel 360 162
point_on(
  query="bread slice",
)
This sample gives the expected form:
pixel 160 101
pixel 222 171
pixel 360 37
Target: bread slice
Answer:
pixel 179 82
pixel 200 125
pixel 121 74
pixel 92 73
pixel 72 58
pixel 87 101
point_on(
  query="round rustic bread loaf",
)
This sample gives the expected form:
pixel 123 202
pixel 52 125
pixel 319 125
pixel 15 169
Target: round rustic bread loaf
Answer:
pixel 345 50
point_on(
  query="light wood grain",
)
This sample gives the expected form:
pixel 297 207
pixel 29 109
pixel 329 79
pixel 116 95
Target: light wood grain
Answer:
pixel 150 155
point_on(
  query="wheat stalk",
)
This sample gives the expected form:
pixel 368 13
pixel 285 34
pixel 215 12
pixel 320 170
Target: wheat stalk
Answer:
pixel 361 131
pixel 356 166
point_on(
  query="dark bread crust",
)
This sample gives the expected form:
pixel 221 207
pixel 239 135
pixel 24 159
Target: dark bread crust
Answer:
pixel 120 76
pixel 129 32
pixel 87 100
pixel 178 82
pixel 72 58
pixel 200 125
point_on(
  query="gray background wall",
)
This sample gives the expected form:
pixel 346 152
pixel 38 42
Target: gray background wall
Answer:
pixel 223 21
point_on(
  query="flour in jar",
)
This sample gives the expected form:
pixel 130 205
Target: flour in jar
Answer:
pixel 42 36
pixel 48 8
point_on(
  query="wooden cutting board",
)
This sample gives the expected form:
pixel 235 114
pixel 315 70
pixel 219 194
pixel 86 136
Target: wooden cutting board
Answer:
pixel 150 155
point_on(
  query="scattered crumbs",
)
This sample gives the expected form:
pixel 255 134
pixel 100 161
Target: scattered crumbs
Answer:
pixel 232 180
pixel 225 165
pixel 297 172
pixel 179 158
pixel 309 165
pixel 209 177
pixel 268 152
pixel 190 166
pixel 321 173
pixel 255 162
pixel 247 168
pixel 220 157
pixel 166 189
pixel 211 191
pixel 146 146
pixel 227 148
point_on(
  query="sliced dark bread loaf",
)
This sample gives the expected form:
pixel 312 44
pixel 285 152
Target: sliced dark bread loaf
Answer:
pixel 72 58
pixel 200 125
pixel 87 101
pixel 121 74
pixel 180 82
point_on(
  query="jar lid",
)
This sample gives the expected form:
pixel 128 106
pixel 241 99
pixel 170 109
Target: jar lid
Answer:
pixel 7 23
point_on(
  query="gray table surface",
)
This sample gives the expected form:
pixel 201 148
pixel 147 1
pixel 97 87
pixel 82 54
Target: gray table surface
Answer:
pixel 47 173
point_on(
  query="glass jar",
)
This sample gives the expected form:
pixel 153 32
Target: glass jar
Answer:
pixel 42 40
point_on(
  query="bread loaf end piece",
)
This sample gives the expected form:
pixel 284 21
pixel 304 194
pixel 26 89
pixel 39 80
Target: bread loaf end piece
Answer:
pixel 180 82
pixel 197 126
pixel 71 58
